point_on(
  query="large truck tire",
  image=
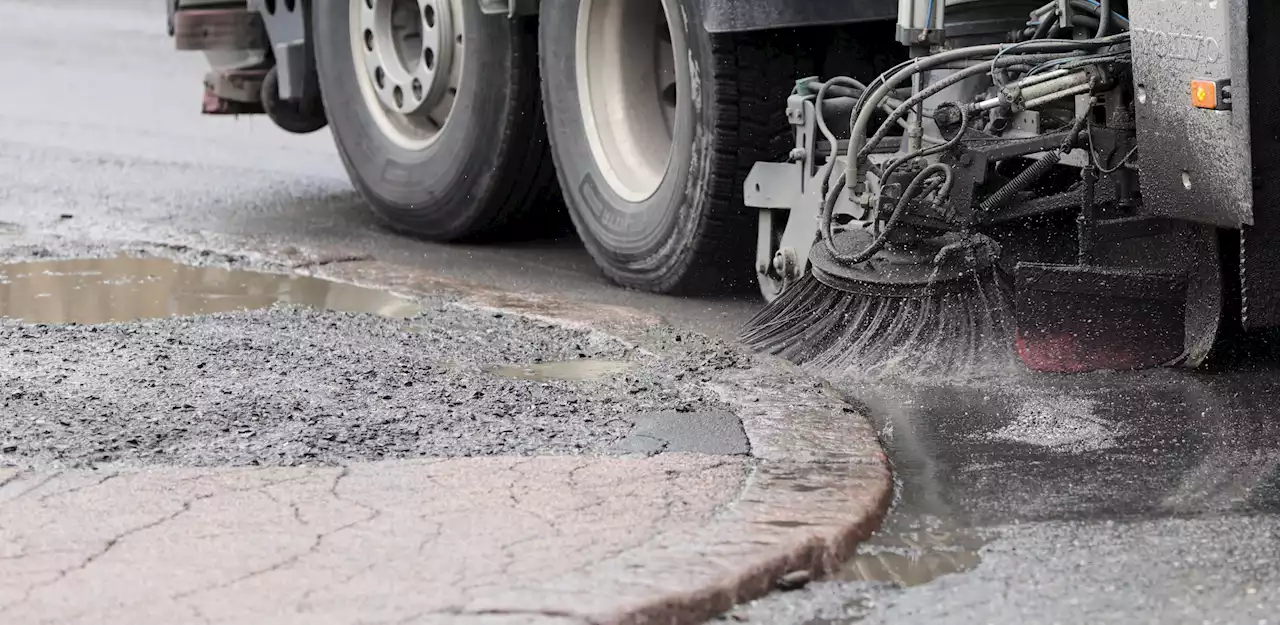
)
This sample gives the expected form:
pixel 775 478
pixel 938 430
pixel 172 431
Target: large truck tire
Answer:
pixel 436 113
pixel 654 124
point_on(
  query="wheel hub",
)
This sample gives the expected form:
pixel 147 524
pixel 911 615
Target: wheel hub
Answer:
pixel 409 53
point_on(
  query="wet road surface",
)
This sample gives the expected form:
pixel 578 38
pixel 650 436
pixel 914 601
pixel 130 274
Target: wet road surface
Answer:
pixel 1043 499
pixel 1104 498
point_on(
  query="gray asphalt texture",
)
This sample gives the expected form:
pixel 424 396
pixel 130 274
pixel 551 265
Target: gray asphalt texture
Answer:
pixel 1102 498
pixel 1112 498
pixel 291 385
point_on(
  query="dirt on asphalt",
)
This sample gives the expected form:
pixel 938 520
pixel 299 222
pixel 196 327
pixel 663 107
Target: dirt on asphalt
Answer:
pixel 290 385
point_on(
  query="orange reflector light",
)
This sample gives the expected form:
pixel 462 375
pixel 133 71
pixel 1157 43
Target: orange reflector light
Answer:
pixel 1204 94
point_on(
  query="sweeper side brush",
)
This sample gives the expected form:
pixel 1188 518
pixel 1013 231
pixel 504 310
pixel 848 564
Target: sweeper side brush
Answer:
pixel 978 204
pixel 952 316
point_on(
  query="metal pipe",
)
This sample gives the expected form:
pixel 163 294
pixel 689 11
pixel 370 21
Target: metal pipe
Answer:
pixel 1086 231
pixel 1039 89
pixel 1039 78
pixel 1030 104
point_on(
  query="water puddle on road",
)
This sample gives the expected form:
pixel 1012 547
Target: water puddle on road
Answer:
pixel 567 370
pixel 910 557
pixel 111 290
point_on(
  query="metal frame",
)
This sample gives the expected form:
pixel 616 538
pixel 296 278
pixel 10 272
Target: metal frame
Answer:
pixel 288 26
pixel 725 16
pixel 1196 163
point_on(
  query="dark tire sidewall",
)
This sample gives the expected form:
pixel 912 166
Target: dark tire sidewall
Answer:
pixel 641 243
pixel 432 191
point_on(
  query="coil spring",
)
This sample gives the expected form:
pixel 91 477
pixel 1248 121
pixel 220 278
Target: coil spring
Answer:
pixel 1020 182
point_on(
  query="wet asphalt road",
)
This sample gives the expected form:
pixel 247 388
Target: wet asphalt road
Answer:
pixel 1103 498
pixel 1090 499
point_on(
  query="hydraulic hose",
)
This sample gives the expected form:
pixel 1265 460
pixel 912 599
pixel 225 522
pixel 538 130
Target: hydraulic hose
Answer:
pixel 898 210
pixel 1104 17
pixel 964 123
pixel 933 89
pixel 1046 24
pixel 1093 7
pixel 859 129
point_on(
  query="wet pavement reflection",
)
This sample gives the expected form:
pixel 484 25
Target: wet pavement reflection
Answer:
pixel 118 289
pixel 973 459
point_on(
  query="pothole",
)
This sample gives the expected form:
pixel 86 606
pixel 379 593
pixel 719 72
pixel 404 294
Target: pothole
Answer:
pixel 119 289
pixel 568 370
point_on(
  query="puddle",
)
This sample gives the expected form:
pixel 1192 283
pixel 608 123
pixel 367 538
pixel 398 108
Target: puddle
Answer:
pixel 569 370
pixel 910 558
pixel 110 290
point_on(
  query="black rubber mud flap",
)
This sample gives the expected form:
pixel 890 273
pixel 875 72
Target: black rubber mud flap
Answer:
pixel 1073 319
pixel 1077 318
pixel 1260 242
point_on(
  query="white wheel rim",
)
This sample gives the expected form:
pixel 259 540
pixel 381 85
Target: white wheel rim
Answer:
pixel 408 61
pixel 631 89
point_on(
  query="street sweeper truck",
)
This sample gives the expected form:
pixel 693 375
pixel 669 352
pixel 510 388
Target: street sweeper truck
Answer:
pixel 912 184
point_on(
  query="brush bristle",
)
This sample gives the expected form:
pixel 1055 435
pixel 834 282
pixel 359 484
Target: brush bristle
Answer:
pixel 963 330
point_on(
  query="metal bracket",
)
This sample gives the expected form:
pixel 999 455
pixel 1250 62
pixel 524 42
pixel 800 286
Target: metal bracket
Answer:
pixel 286 25
pixel 510 8
pixel 170 9
pixel 789 193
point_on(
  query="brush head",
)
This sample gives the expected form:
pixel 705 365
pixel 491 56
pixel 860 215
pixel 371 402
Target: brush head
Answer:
pixel 951 316
pixel 915 268
pixel 964 330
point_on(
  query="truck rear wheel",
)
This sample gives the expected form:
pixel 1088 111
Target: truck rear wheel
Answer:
pixel 434 108
pixel 654 124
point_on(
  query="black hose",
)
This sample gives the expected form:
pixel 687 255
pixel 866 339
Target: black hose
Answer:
pixel 1084 21
pixel 898 210
pixel 964 125
pixel 1046 23
pixel 1104 17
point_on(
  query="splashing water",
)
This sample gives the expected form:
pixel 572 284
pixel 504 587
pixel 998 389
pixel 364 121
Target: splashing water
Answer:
pixel 961 330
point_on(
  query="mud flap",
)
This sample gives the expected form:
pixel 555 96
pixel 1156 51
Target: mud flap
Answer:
pixel 1074 318
pixel 1078 318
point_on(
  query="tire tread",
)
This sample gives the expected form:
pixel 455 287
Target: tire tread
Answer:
pixel 531 203
pixel 753 76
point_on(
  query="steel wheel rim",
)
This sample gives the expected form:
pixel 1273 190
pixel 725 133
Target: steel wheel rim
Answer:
pixel 408 61
pixel 630 90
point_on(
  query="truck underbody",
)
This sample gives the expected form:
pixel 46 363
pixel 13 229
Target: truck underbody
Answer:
pixel 1099 168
